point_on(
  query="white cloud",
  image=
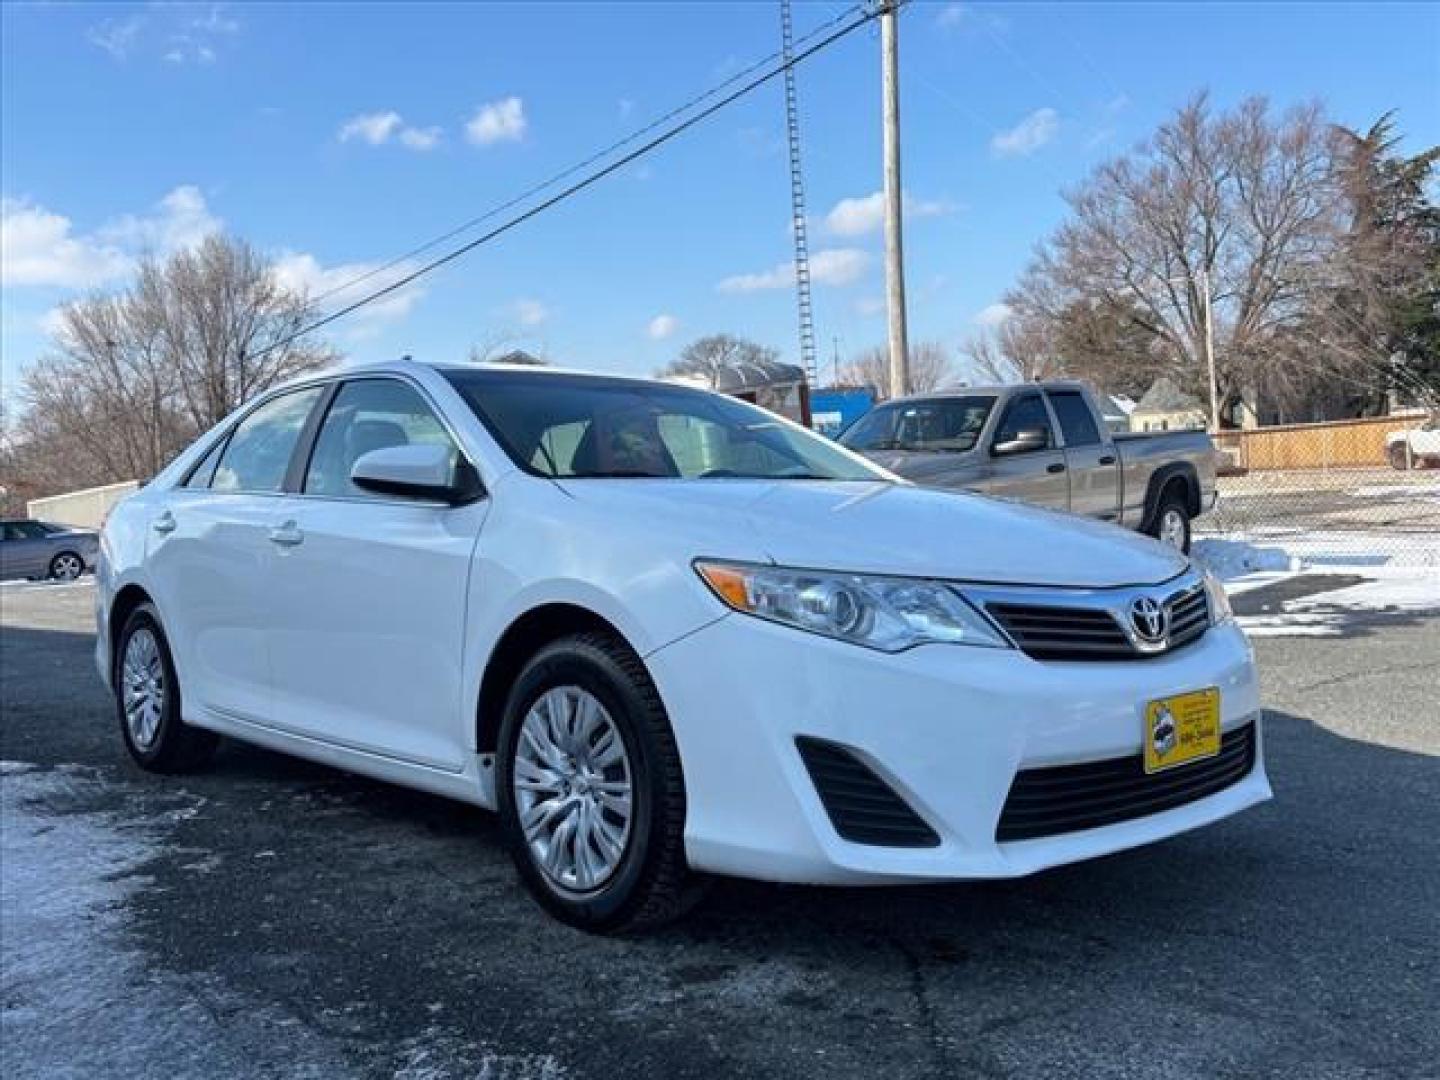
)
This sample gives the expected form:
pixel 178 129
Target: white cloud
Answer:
pixel 378 128
pixel 662 327
pixel 181 220
pixel 993 315
pixel 421 138
pixel 301 272
pixel 866 213
pixel 870 305
pixel 832 266
pixel 529 313
pixel 626 107
pixel 499 121
pixel 1029 135
pixel 374 128
pixel 40 247
pixel 116 36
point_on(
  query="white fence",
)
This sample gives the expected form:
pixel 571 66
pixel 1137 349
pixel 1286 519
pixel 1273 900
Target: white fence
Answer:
pixel 86 509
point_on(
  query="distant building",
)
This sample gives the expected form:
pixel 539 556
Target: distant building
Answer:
pixel 1165 407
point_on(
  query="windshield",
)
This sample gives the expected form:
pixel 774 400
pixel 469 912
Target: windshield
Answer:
pixel 941 424
pixel 552 425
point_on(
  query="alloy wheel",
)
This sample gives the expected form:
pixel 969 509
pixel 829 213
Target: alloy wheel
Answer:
pixel 143 682
pixel 573 789
pixel 1172 529
pixel 67 567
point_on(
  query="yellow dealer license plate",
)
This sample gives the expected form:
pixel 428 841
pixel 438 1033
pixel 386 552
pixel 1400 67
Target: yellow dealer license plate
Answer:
pixel 1182 729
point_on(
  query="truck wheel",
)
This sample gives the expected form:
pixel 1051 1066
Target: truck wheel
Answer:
pixel 1172 523
pixel 1399 459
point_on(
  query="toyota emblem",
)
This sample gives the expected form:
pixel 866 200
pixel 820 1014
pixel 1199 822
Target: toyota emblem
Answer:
pixel 1150 619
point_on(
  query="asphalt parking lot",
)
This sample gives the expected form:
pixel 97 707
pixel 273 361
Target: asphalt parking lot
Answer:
pixel 273 918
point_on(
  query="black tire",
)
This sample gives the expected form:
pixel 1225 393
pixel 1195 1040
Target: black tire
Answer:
pixel 65 566
pixel 1172 512
pixel 1399 458
pixel 651 884
pixel 176 747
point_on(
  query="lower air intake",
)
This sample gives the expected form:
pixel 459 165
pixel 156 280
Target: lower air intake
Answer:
pixel 862 807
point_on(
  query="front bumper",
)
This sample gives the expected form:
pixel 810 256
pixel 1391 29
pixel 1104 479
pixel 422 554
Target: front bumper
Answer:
pixel 946 727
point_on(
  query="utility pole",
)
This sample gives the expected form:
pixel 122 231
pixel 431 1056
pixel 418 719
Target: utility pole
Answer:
pixel 1210 352
pixel 894 249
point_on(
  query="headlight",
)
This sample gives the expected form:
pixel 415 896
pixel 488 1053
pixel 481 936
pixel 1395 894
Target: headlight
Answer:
pixel 889 614
pixel 1220 611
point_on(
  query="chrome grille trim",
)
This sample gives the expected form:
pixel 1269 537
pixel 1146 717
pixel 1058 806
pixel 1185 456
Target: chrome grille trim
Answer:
pixel 1094 624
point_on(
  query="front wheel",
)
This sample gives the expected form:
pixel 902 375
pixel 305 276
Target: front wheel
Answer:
pixel 1399 456
pixel 1172 524
pixel 66 566
pixel 591 794
pixel 147 700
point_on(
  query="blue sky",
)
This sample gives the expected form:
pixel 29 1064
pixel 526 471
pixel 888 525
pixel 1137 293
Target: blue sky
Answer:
pixel 335 136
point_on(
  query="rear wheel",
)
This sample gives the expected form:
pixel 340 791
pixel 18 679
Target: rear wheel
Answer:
pixel 1399 456
pixel 147 700
pixel 592 799
pixel 66 566
pixel 1171 525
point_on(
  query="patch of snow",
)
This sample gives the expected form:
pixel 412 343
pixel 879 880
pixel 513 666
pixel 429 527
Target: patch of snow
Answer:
pixel 1228 558
pixel 1389 589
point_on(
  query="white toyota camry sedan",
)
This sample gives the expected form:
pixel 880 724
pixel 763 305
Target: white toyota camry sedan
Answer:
pixel 666 634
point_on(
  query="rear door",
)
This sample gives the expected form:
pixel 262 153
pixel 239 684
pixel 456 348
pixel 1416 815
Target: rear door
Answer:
pixel 210 559
pixel 1034 476
pixel 1090 457
pixel 368 624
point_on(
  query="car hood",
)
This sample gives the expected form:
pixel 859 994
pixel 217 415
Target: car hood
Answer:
pixel 886 528
pixel 921 465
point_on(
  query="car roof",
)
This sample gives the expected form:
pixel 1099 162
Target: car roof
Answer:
pixel 991 389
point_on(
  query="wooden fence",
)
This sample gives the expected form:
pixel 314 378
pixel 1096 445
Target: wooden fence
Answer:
pixel 1335 444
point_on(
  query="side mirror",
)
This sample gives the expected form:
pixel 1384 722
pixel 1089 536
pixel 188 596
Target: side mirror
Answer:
pixel 417 471
pixel 1026 440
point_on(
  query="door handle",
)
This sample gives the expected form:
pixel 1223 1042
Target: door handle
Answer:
pixel 164 524
pixel 287 535
pixel 1108 459
pixel 1057 467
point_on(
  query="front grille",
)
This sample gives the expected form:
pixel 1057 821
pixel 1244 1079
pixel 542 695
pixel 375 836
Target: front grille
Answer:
pixel 862 807
pixel 1076 632
pixel 1068 798
pixel 1063 633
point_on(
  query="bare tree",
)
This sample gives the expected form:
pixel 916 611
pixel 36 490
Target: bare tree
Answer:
pixel 930 368
pixel 1244 201
pixel 132 377
pixel 1018 350
pixel 708 356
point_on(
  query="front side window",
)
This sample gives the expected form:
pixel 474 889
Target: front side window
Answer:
pixel 1076 421
pixel 1027 413
pixel 258 454
pixel 201 475
pixel 940 425
pixel 366 415
pixel 593 427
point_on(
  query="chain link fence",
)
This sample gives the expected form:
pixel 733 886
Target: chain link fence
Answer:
pixel 1350 493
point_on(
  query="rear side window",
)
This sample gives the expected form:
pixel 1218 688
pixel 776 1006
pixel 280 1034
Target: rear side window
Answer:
pixel 366 415
pixel 1023 414
pixel 1076 421
pixel 258 454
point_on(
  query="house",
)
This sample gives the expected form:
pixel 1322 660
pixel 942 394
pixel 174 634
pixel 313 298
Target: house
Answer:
pixel 1165 407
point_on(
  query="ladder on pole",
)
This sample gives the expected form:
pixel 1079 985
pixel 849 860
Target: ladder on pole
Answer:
pixel 797 206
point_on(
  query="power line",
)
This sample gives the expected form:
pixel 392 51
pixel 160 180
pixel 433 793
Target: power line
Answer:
pixel 578 186
pixel 579 166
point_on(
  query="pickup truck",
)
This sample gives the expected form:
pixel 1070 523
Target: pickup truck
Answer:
pixel 1044 443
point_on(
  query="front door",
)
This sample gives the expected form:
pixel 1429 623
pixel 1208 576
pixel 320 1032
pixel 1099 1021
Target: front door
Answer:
pixel 1034 476
pixel 211 557
pixel 367 638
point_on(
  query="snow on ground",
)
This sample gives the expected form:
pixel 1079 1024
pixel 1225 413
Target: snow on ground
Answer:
pixel 1400 572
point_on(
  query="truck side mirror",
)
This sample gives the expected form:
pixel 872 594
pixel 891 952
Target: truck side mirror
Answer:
pixel 1026 441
